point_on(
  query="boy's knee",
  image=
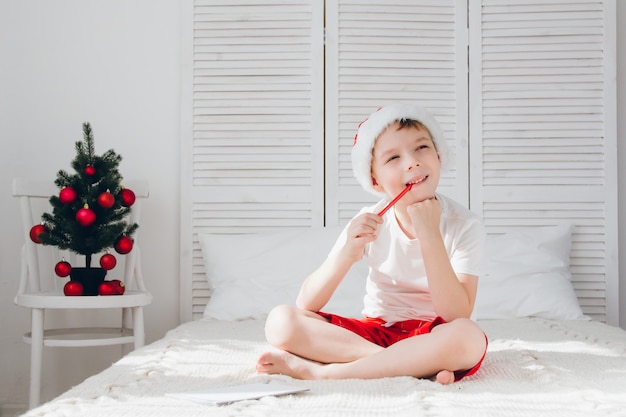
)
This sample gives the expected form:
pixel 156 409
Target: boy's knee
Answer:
pixel 466 338
pixel 279 325
pixel 471 336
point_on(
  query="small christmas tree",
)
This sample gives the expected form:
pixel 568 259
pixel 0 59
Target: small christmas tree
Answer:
pixel 88 214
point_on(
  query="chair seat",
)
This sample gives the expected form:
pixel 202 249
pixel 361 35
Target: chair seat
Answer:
pixel 60 301
pixel 85 336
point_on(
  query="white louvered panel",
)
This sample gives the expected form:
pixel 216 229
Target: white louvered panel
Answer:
pixel 257 122
pixel 542 127
pixel 383 52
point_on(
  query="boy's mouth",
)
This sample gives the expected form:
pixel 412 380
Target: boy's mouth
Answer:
pixel 416 181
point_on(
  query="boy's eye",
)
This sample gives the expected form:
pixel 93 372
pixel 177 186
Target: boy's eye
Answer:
pixel 392 158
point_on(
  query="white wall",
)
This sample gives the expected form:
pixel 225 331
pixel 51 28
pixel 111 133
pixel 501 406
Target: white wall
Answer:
pixel 116 64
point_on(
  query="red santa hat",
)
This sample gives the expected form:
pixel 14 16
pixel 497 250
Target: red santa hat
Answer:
pixel 375 124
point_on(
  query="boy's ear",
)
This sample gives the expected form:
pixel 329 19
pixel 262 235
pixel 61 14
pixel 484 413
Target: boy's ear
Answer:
pixel 376 186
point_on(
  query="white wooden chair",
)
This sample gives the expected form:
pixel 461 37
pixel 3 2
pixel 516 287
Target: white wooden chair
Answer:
pixel 42 291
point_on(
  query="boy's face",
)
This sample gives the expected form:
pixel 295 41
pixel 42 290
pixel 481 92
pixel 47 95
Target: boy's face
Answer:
pixel 402 157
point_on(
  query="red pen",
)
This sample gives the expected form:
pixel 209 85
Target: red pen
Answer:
pixel 395 200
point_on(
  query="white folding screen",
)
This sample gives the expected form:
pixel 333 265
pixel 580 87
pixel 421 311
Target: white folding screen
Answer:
pixel 394 51
pixel 543 130
pixel 253 157
pixel 523 90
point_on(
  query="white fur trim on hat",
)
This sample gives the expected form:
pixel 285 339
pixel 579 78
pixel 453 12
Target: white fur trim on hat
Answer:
pixel 375 124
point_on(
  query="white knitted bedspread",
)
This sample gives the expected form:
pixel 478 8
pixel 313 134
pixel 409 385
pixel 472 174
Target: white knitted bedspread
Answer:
pixel 533 367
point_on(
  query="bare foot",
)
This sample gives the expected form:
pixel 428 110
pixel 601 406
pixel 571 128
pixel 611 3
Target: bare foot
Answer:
pixel 286 363
pixel 445 377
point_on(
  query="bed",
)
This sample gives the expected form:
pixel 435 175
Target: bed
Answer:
pixel 545 357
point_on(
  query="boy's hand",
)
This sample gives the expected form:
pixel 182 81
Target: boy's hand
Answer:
pixel 425 216
pixel 361 231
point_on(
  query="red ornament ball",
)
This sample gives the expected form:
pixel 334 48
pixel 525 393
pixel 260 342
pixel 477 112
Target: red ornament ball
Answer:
pixel 124 245
pixel 67 195
pixel 85 216
pixel 107 288
pixel 119 286
pixel 128 197
pixel 62 269
pixel 36 231
pixel 73 288
pixel 106 200
pixel 108 261
pixel 90 170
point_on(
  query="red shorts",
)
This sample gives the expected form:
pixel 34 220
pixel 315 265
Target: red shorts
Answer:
pixel 375 331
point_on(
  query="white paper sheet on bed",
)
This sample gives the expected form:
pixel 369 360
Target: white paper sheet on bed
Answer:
pixel 534 367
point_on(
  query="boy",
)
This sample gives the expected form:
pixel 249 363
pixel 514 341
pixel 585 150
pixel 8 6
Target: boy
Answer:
pixel 423 257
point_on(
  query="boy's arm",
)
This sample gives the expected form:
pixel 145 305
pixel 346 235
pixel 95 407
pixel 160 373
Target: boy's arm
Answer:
pixel 322 283
pixel 452 295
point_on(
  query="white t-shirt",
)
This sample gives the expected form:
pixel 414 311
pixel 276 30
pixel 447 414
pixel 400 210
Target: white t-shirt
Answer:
pixel 397 288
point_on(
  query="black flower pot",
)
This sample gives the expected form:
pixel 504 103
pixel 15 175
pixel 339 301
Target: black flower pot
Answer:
pixel 91 278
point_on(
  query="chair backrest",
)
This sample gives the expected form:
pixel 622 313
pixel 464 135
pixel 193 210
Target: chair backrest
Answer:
pixel 34 198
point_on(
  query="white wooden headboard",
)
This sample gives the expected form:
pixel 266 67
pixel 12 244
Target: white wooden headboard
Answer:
pixel 273 93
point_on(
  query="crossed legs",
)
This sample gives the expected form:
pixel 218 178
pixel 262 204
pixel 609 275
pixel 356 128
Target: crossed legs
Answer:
pixel 312 348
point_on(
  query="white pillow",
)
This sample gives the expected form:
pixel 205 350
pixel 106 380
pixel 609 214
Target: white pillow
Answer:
pixel 527 274
pixel 252 273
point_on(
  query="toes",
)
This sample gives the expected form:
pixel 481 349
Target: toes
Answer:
pixel 445 377
pixel 265 363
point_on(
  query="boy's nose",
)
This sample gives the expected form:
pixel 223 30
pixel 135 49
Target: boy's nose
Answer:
pixel 413 162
